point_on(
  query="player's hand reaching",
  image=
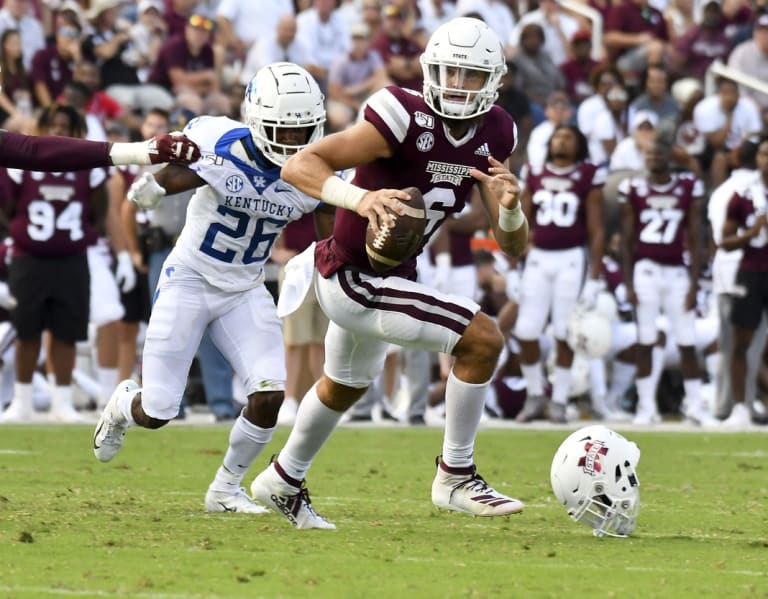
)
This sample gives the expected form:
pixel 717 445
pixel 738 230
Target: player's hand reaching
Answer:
pixel 501 182
pixel 374 206
pixel 145 192
pixel 174 147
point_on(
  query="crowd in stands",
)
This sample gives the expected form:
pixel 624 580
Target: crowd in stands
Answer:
pixel 637 74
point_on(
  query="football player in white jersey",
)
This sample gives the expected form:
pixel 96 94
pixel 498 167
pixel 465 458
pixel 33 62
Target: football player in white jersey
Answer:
pixel 214 276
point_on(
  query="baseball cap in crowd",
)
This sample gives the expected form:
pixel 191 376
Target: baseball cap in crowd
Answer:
pixel 392 10
pixel 359 29
pixel 199 21
pixel 100 6
pixel 582 35
pixel 642 117
pixel 145 5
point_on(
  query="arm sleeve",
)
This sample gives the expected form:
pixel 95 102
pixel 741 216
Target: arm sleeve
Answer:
pixel 55 154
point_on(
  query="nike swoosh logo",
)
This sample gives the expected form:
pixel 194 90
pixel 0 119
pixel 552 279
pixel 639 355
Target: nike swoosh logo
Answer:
pixel 96 434
pixel 281 189
pixel 227 509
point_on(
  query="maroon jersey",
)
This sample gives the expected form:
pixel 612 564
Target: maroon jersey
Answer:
pixel 175 54
pixel 743 211
pixel 559 199
pixel 298 234
pixel 52 211
pixel 424 156
pixel 661 214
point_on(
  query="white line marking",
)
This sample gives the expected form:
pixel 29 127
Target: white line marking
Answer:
pixel 132 594
pixel 16 452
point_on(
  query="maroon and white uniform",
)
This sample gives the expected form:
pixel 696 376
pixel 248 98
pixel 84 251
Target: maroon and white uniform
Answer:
pixel 555 266
pixel 368 312
pixel 660 277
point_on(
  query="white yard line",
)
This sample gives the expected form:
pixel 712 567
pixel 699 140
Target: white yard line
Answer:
pixel 44 591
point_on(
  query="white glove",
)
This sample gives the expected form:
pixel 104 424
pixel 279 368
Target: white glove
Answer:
pixel 441 275
pixel 589 293
pixel 7 301
pixel 146 192
pixel 125 274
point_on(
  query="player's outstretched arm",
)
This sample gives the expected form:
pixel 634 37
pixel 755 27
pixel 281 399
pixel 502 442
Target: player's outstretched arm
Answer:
pixel 148 189
pixel 60 154
pixel 312 170
pixel 500 191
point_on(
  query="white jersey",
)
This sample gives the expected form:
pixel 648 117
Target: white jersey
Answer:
pixel 233 221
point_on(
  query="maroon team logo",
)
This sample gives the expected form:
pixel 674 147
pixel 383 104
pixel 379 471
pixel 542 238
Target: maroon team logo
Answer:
pixel 591 461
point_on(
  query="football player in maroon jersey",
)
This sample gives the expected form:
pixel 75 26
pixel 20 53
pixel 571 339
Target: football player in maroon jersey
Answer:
pixel 660 221
pixel 444 143
pixel 746 228
pixel 563 200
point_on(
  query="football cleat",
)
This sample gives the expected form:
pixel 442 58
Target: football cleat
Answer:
pixel 700 416
pixel 464 490
pixel 284 498
pixel 66 413
pixel 646 418
pixel 739 418
pixel 557 413
pixel 17 412
pixel 534 408
pixel 110 429
pixel 239 502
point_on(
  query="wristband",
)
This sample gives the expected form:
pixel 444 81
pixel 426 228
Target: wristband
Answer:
pixel 511 220
pixel 129 153
pixel 338 192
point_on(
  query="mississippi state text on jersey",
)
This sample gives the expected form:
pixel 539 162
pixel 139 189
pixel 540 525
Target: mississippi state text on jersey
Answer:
pixel 424 156
pixel 233 221
pixel 559 198
pixel 661 215
pixel 52 214
pixel 743 209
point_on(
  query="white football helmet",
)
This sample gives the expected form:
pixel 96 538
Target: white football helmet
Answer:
pixel 467 45
pixel 594 475
pixel 588 332
pixel 283 95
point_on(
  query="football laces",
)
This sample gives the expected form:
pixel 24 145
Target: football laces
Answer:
pixel 383 234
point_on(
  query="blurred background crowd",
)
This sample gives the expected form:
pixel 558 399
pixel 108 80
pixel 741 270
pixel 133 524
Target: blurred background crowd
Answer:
pixel 625 72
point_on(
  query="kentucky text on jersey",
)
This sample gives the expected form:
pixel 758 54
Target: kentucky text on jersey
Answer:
pixel 258 205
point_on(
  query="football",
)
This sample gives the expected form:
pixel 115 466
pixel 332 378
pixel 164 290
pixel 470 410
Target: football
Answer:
pixel 393 245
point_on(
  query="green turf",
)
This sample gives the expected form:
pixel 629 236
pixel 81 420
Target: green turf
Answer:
pixel 70 526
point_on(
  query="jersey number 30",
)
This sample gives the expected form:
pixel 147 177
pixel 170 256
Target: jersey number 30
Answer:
pixel 261 243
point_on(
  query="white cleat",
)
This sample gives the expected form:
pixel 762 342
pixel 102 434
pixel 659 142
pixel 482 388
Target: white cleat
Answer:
pixel 469 493
pixel 66 413
pixel 739 419
pixel 646 418
pixel 239 502
pixel 110 429
pixel 16 413
pixel 292 502
pixel 701 417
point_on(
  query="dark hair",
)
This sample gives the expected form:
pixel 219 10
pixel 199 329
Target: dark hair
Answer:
pixel 12 73
pixel 598 72
pixel 582 146
pixel 747 152
pixel 535 27
pixel 77 126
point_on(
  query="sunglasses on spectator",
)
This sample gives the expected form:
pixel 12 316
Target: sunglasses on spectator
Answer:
pixel 69 32
pixel 201 22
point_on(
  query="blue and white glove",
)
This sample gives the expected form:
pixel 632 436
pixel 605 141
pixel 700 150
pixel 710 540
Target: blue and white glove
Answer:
pixel 589 293
pixel 146 192
pixel 125 274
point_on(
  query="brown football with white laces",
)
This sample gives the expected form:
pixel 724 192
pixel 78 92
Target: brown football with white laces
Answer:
pixel 393 245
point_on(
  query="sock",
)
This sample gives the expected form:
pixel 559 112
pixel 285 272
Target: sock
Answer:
pixel 712 364
pixel 61 396
pixel 692 393
pixel 621 377
pixel 646 395
pixel 246 441
pixel 463 408
pixel 22 395
pixel 124 402
pixel 314 424
pixel 561 384
pixel 533 377
pixel 107 378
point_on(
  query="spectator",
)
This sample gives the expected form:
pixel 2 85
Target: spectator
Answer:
pixel 51 229
pixel 76 95
pixel 702 44
pixel 372 15
pixel 148 35
pixel 15 85
pixel 559 28
pixel 609 126
pixel 635 35
pixel 657 98
pixel 496 13
pixel 325 35
pixel 242 23
pixel 558 112
pixel 433 13
pixel 278 46
pixel 630 151
pixel 16 14
pixel 51 66
pixel 577 70
pixel 537 73
pixel 185 67
pixel 110 47
pixel 751 57
pixel 353 77
pixel 399 52
pixel 602 79
pixel 689 141
pixel 725 119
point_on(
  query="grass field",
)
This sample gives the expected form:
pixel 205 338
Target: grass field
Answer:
pixel 70 526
